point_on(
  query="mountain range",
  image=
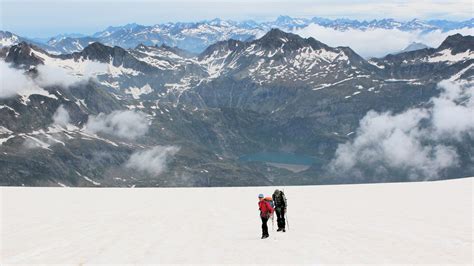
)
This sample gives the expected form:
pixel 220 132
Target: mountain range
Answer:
pixel 156 115
pixel 197 36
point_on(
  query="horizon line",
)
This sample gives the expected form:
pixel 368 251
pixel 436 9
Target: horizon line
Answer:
pixel 239 21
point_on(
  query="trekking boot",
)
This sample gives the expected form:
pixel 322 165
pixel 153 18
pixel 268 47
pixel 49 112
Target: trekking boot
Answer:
pixel 279 229
pixel 283 229
pixel 265 236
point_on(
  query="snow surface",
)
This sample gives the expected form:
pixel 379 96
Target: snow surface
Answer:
pixel 425 222
pixel 9 41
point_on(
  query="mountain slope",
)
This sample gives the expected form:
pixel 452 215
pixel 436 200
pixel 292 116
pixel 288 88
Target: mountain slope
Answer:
pixel 414 46
pixel 70 44
pixel 454 55
pixel 278 93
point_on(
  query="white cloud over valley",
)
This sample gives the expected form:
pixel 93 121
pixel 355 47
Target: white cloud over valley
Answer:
pixel 376 42
pixel 51 75
pixel 125 124
pixel 152 161
pixel 15 82
pixel 61 116
pixel 412 142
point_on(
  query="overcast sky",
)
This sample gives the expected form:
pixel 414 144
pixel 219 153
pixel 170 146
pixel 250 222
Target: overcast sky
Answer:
pixel 46 18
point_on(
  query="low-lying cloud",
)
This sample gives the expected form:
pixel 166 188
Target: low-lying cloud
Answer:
pixel 412 143
pixel 376 42
pixel 53 75
pixel 125 124
pixel 61 116
pixel 152 161
pixel 453 111
pixel 14 81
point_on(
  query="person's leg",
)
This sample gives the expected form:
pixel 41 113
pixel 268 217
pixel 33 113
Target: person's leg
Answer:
pixel 279 218
pixel 264 226
pixel 277 212
pixel 283 221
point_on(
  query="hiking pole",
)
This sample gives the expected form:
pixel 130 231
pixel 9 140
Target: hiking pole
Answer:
pixel 273 223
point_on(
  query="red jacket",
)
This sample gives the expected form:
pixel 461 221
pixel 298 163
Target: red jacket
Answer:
pixel 265 208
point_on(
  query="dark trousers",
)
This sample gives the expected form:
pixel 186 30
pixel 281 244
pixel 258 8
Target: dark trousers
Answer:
pixel 264 226
pixel 280 212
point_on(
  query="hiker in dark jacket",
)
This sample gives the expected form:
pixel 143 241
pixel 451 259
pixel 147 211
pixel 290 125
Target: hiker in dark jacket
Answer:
pixel 279 201
pixel 266 212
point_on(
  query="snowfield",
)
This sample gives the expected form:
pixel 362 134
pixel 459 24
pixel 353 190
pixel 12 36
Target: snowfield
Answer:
pixel 403 223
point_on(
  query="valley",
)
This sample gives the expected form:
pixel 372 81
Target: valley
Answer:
pixel 187 119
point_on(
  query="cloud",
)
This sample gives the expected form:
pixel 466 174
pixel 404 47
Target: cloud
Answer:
pixel 124 124
pixel 152 161
pixel 376 42
pixel 14 81
pixel 45 140
pixel 61 116
pixel 412 143
pixel 50 75
pixel 453 111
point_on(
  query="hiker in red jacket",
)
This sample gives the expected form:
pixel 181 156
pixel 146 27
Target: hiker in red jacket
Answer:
pixel 266 211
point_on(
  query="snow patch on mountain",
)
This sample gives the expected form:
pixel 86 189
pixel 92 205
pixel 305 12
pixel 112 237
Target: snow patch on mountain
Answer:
pixel 3 140
pixel 182 85
pixel 447 55
pixel 8 39
pixel 58 71
pixel 3 106
pixel 116 71
pixel 307 57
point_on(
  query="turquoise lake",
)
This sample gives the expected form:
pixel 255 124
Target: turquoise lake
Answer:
pixel 277 157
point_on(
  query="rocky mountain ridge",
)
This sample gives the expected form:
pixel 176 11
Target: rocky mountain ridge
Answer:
pixel 197 36
pixel 278 93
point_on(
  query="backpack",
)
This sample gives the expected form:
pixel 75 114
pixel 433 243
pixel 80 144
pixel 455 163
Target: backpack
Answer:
pixel 270 200
pixel 279 199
